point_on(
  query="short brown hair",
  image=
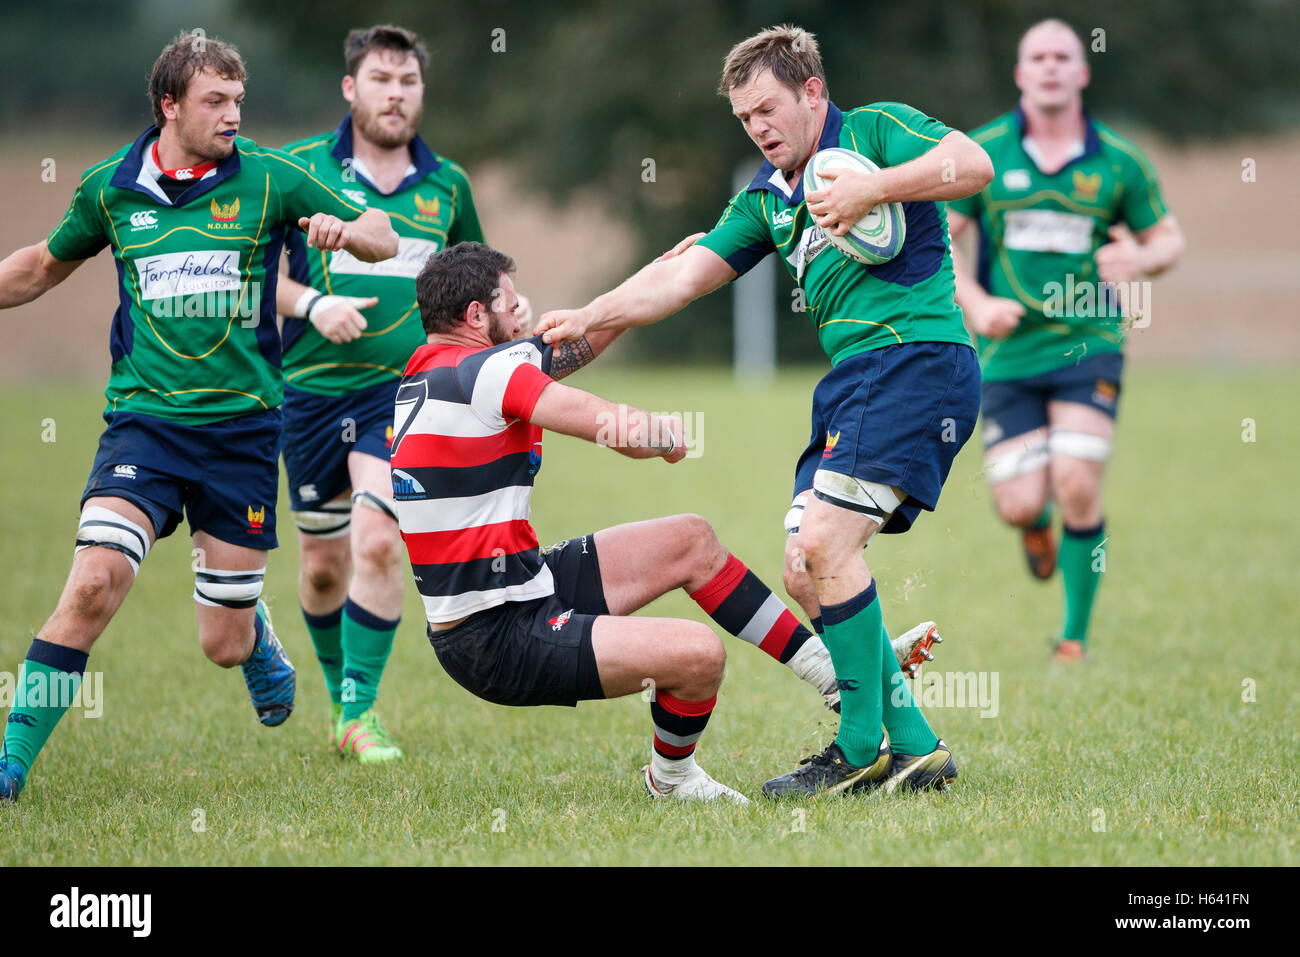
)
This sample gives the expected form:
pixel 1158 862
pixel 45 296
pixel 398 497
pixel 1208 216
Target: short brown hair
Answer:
pixel 452 279
pixel 790 52
pixel 382 37
pixel 188 54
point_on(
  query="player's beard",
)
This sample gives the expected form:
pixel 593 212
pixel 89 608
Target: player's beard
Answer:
pixel 497 330
pixel 368 122
pixel 200 143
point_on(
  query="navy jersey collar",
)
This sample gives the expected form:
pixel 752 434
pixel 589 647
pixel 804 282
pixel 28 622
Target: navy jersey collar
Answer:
pixel 422 157
pixel 1091 141
pixel 830 137
pixel 128 171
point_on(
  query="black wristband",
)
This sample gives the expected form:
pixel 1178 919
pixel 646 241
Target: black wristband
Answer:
pixel 306 313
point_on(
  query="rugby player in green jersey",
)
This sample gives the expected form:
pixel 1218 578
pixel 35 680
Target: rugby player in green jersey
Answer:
pixel 1058 282
pixel 349 330
pixel 901 398
pixel 195 216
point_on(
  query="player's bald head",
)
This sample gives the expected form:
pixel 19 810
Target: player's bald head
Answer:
pixel 1050 30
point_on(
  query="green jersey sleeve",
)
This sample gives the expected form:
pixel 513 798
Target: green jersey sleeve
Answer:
pixel 741 235
pixel 465 226
pixel 302 193
pixel 898 133
pixel 81 233
pixel 1141 205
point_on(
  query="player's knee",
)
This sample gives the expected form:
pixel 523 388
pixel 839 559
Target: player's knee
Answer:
pixel 701 550
pixel 1077 487
pixel 323 573
pixel 380 551
pixel 706 659
pixel 226 644
pixel 1019 511
pixel 91 591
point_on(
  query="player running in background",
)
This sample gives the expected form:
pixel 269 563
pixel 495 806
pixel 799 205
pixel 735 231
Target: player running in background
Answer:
pixel 194 214
pixel 517 625
pixel 1049 231
pixel 341 371
pixel 902 396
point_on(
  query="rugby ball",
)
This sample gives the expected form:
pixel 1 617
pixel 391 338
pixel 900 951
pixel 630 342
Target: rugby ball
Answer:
pixel 877 237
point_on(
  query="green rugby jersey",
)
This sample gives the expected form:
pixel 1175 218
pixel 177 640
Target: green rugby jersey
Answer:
pixel 855 307
pixel 1035 230
pixel 432 208
pixel 194 339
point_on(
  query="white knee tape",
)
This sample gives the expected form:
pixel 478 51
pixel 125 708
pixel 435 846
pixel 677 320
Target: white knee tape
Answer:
pixel 328 521
pixel 1079 445
pixel 378 502
pixel 795 515
pixel 1017 462
pixel 105 528
pixel 228 589
pixel 870 498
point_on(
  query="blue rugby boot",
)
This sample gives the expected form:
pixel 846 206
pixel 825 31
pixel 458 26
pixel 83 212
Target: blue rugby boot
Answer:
pixel 269 675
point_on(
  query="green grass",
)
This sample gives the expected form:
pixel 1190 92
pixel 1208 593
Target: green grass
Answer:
pixel 1150 739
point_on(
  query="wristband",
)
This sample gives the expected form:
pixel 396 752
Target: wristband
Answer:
pixel 309 298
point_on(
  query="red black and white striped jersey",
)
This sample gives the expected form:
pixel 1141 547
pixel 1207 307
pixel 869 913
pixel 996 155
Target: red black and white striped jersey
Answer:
pixel 464 459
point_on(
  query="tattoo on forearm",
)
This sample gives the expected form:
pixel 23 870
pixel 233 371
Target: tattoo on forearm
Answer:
pixel 567 358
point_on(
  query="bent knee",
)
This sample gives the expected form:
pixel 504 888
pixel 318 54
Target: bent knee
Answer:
pixel 226 648
pixel 707 657
pixel 93 587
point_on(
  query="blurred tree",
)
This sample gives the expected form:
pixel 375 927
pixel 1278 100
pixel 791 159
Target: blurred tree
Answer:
pixel 582 95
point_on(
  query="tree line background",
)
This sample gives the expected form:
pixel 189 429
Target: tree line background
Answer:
pixel 578 95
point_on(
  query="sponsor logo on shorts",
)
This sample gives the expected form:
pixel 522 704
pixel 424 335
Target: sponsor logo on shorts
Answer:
pixel 1105 393
pixel 255 519
pixel 558 546
pixel 308 493
pixel 559 621
pixel 1016 179
pixel 831 442
pixel 144 219
pixel 124 471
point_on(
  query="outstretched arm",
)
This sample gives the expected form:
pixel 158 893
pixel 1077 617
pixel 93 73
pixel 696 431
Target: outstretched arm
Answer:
pixel 625 429
pixel 658 290
pixel 31 272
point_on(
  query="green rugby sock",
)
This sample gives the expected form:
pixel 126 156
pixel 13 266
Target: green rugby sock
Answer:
pixel 852 636
pixel 367 641
pixel 327 638
pixel 47 681
pixel 1082 559
pixel 909 732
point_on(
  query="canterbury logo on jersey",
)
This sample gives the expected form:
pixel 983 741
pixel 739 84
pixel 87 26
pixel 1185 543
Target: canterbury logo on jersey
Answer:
pixel 356 196
pixel 225 213
pixel 783 218
pixel 144 219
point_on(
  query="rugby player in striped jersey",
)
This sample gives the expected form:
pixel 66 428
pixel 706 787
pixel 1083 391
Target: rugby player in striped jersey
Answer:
pixel 521 625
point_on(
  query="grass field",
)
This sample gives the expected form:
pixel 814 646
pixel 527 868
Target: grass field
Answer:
pixel 1148 754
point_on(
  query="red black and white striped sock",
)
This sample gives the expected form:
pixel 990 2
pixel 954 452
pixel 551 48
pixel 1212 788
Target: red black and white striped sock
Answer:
pixel 678 726
pixel 748 609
